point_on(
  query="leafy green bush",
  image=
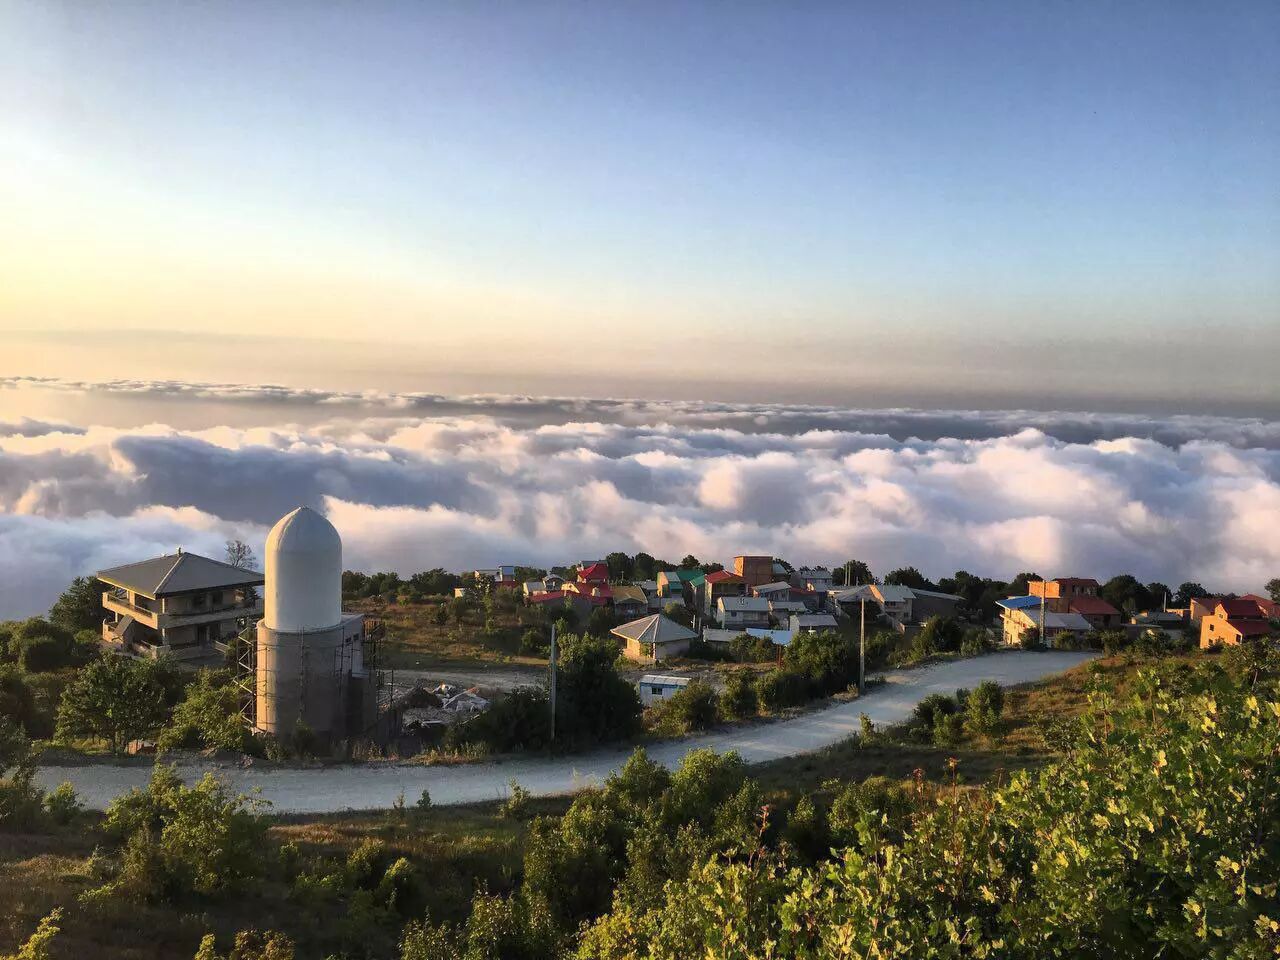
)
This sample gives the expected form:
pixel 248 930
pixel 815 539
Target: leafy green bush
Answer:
pixel 1155 835
pixel 782 688
pixel 248 945
pixel 207 717
pixel 39 945
pixel 17 701
pixel 521 720
pixel 976 641
pixel 535 643
pixel 748 649
pixel 594 703
pixel 694 707
pixel 20 799
pixel 180 841
pixel 827 659
pixel 62 805
pixel 516 805
pixel 982 708
pixel 699 649
pixel 739 699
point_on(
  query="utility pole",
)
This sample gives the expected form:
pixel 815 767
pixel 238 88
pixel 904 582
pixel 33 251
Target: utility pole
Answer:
pixel 553 683
pixel 1043 590
pixel 862 647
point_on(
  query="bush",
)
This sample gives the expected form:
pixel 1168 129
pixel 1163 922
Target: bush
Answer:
pixel 694 707
pixel 877 810
pixel 38 946
pixel 983 707
pixel 17 701
pixel 1155 835
pixel 748 649
pixel 782 688
pixel 593 703
pixel 739 699
pixel 699 649
pixel 180 840
pixel 20 799
pixel 976 642
pixel 516 804
pixel 62 804
pixel 931 707
pixel 828 660
pixel 521 720
pixel 535 643
pixel 248 945
pixel 208 717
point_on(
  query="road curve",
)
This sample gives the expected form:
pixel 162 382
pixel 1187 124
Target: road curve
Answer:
pixel 377 786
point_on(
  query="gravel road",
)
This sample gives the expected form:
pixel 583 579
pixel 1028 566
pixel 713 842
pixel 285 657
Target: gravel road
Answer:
pixel 377 786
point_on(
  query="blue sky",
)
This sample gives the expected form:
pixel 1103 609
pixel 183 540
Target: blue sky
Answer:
pixel 450 175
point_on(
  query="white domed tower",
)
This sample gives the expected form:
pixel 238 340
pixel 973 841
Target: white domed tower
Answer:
pixel 304 574
pixel 310 664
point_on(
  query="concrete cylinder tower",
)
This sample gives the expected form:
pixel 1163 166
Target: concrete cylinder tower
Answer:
pixel 306 647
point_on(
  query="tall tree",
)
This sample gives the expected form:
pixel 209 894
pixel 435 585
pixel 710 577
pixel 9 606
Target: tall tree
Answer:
pixel 857 572
pixel 1273 589
pixel 620 565
pixel 908 577
pixel 80 606
pixel 115 699
pixel 240 554
pixel 1188 591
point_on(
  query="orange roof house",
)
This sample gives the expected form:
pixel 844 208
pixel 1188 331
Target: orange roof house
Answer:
pixel 1096 610
pixel 1233 621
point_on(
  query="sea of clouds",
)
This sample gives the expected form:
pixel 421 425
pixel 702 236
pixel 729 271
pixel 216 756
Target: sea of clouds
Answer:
pixel 414 481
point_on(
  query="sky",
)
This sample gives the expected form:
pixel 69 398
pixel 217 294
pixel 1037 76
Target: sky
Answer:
pixel 989 204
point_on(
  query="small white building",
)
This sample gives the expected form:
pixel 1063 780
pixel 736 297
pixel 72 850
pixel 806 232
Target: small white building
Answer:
pixel 656 687
pixel 742 612
pixel 812 622
pixel 780 590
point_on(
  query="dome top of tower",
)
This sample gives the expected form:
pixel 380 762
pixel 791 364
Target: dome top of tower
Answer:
pixel 303 531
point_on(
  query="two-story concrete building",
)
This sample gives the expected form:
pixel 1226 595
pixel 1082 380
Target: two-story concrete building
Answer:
pixel 178 605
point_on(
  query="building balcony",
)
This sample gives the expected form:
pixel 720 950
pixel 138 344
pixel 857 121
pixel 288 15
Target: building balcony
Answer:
pixel 157 620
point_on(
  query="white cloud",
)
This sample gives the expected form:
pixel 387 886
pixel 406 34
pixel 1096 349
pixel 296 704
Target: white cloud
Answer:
pixel 421 481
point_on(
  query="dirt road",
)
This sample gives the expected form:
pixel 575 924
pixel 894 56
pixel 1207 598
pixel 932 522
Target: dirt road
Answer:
pixel 377 786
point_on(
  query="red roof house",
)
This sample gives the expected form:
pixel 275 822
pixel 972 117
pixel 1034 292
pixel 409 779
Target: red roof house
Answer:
pixel 596 573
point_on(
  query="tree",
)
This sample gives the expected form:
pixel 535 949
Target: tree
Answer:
pixel 679 613
pixel 1273 589
pixel 17 702
pixel 1189 591
pixel 620 566
pixel 207 717
pixel 240 554
pixel 908 577
pixel 644 567
pixel 115 699
pixel 858 572
pixel 593 702
pixel 1124 592
pixel 80 606
pixel 690 562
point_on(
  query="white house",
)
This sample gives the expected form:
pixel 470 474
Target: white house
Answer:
pixel 812 622
pixel 654 687
pixel 742 612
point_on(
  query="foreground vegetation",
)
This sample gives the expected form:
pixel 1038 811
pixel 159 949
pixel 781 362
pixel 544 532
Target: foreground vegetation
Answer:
pixel 1130 807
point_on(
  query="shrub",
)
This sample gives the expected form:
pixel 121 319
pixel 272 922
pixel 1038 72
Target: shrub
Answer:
pixel 535 643
pixel 38 946
pixel 928 709
pixel 17 701
pixel 976 642
pixel 782 688
pixel 248 945
pixel 20 799
pixel 739 699
pixel 593 702
pixel 694 707
pixel 983 707
pixel 423 802
pixel 828 660
pixel 516 804
pixel 62 804
pixel 181 840
pixel 748 649
pixel 208 717
pixel 521 720
pixel 877 810
pixel 699 649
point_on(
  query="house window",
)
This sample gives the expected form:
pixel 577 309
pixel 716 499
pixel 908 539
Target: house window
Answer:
pixel 656 691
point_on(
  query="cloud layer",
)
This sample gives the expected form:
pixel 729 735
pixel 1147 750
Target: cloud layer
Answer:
pixel 417 481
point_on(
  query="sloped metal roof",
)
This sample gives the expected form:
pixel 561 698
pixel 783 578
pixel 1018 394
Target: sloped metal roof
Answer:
pixel 178 573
